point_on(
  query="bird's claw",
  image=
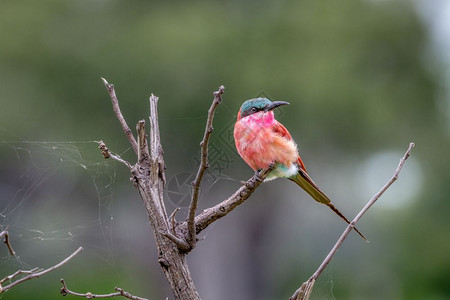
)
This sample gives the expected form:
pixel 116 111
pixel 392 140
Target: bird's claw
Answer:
pixel 257 177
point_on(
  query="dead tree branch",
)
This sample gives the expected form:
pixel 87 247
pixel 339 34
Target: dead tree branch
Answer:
pixel 304 292
pixel 191 238
pixel 118 113
pixel 88 295
pixel 33 273
pixel 5 235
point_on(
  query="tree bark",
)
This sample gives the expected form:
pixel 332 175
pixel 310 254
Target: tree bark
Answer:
pixel 149 179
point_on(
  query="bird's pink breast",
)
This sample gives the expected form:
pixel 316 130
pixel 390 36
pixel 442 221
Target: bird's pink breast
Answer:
pixel 260 145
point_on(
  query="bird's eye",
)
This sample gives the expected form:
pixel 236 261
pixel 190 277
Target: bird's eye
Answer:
pixel 254 109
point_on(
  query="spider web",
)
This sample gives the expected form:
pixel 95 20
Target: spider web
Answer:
pixel 323 287
pixel 55 195
pixel 60 195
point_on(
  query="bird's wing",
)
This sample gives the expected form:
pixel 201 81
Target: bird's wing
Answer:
pixel 278 128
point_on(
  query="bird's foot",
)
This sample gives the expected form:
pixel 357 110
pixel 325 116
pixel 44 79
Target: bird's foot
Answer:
pixel 257 177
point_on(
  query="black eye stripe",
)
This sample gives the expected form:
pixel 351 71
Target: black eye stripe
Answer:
pixel 251 110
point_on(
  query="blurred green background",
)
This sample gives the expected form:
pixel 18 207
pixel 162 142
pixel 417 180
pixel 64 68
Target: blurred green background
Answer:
pixel 364 78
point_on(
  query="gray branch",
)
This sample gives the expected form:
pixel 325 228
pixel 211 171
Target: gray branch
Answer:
pixel 34 273
pixel 88 295
pixel 191 238
pixel 118 113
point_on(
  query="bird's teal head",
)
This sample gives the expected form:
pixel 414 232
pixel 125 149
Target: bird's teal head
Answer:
pixel 255 105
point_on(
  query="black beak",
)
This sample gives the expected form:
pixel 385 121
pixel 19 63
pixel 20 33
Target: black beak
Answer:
pixel 275 104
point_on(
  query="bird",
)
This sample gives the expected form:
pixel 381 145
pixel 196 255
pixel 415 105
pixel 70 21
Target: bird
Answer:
pixel 263 142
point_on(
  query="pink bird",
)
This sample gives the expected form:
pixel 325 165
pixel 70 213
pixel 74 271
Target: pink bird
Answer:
pixel 262 141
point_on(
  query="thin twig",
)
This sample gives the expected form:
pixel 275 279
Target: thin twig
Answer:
pixel 5 235
pixel 107 154
pixel 173 221
pixel 118 113
pixel 191 238
pixel 304 291
pixel 88 295
pixel 35 273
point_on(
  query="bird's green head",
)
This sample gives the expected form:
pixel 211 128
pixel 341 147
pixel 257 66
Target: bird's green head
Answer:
pixel 255 105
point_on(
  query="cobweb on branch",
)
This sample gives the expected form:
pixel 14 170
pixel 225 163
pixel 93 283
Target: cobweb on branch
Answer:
pixel 323 288
pixel 56 195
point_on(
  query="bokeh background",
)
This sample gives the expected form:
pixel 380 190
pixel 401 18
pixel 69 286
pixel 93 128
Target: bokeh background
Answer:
pixel 364 78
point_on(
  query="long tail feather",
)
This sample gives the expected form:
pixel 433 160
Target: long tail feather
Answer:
pixel 305 182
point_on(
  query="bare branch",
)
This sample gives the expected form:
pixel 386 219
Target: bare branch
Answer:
pixel 118 113
pixel 212 214
pixel 107 154
pixel 191 238
pixel 34 273
pixel 5 235
pixel 88 295
pixel 149 179
pixel 17 273
pixel 172 219
pixel 304 291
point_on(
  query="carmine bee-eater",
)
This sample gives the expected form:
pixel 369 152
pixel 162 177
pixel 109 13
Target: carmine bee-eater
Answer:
pixel 263 141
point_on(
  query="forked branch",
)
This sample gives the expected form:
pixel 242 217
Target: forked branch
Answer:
pixel 33 273
pixel 304 292
pixel 191 238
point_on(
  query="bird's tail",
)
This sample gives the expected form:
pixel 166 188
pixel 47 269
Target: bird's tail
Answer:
pixel 305 182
